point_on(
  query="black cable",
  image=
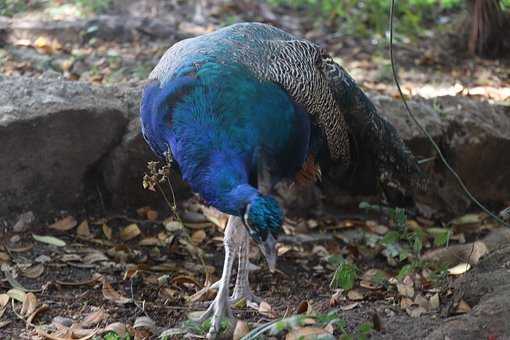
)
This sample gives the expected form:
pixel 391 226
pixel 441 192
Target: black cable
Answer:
pixel 434 144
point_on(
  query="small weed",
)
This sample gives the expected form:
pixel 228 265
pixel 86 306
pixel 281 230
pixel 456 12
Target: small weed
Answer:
pixel 345 274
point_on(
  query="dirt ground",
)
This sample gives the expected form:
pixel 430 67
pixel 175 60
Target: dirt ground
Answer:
pixel 138 271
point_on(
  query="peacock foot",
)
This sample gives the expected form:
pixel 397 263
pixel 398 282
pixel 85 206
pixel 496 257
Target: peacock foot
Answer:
pixel 245 293
pixel 219 310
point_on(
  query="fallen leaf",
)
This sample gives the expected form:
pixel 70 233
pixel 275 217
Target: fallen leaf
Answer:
pixel 336 298
pixel 349 306
pixel 240 330
pixel 150 242
pixel 459 269
pixel 16 294
pixel 118 327
pixel 198 237
pixel 173 332
pixel 4 299
pixel 406 287
pixel 172 226
pixel 434 301
pixel 107 231
pixel 405 302
pixel 4 257
pixel 266 310
pixel 462 307
pixel 24 222
pixel 83 230
pixel 373 279
pixel 302 308
pixel 145 322
pixel 111 294
pixel 306 333
pixel 30 303
pixel 65 224
pixel 415 311
pixel 95 256
pixel 49 240
pixel 33 271
pixel 94 318
pixel 130 232
pixel 355 295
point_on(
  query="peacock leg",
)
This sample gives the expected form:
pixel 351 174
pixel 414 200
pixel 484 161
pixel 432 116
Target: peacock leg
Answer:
pixel 242 288
pixel 220 307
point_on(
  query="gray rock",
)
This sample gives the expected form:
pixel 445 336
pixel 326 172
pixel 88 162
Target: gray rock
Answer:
pixel 475 138
pixel 485 289
pixel 52 135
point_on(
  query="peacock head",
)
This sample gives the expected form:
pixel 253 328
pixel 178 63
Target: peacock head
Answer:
pixel 263 219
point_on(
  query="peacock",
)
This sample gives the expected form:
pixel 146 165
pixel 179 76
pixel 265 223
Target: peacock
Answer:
pixel 249 105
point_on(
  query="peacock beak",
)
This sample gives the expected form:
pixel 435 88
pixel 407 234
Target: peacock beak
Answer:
pixel 268 248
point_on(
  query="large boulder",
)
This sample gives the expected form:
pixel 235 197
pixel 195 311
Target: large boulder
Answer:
pixel 474 136
pixel 53 134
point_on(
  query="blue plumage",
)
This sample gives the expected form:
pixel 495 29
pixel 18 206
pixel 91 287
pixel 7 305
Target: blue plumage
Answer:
pixel 219 123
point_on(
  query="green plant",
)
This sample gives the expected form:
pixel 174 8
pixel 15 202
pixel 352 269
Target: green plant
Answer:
pixel 371 16
pixel 345 274
pixel 94 6
pixel 9 8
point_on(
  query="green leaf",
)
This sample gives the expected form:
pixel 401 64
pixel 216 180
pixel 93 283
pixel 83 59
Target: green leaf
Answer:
pixel 345 276
pixel 365 328
pixel 404 271
pixel 49 240
pixel 442 239
pixel 390 237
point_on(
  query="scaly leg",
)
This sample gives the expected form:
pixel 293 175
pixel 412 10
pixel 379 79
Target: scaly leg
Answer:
pixel 220 307
pixel 242 288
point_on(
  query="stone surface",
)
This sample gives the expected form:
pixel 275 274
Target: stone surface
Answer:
pixel 52 135
pixel 485 288
pixel 105 27
pixel 474 137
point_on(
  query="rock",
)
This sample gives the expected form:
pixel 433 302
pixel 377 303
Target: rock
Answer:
pixel 473 135
pixel 105 27
pixel 123 170
pixel 485 288
pixel 52 135
pixel 24 222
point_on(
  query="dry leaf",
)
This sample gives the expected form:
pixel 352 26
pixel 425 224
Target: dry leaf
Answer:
pixel 111 294
pixel 16 294
pixel 434 301
pixel 302 308
pixel 462 307
pixel 198 237
pixel 373 278
pixel 150 242
pixel 459 269
pixel 405 302
pixel 33 271
pixel 306 333
pixel 49 240
pixel 117 327
pixel 107 231
pixel 266 310
pixel 94 318
pixel 4 257
pixel 355 295
pixel 336 298
pixel 172 226
pixel 65 224
pixel 84 230
pixel 415 311
pixel 145 322
pixel 30 303
pixel 95 256
pixel 349 306
pixel 240 330
pixel 4 299
pixel 130 232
